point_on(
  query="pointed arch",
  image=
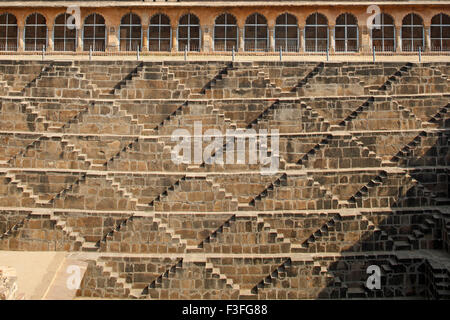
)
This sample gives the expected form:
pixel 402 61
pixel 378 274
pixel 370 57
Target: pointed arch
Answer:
pixel 256 33
pixel 94 33
pixel 316 33
pixel 440 32
pixel 64 34
pixel 36 32
pixel 9 32
pixel 130 32
pixel 383 33
pixel 189 33
pixel 286 32
pixel 346 33
pixel 159 33
pixel 225 32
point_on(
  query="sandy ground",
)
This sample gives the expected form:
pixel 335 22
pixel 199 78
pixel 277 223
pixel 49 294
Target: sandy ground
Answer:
pixel 43 275
pixel 35 270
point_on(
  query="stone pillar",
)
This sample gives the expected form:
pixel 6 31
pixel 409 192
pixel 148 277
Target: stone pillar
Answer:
pixel 50 45
pixel 79 40
pixel 365 39
pixel 112 38
pixel 241 39
pixel 174 29
pixel 207 39
pixel 398 37
pixel 144 44
pixel 301 40
pixel 272 39
pixel 331 38
pixel 20 44
pixel 427 38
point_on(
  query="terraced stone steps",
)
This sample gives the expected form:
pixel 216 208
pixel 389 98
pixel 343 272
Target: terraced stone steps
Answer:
pixel 281 180
pixel 403 71
pixel 297 192
pixel 149 236
pixel 290 117
pixel 195 194
pixel 338 150
pixel 245 235
pixel 61 79
pixel 380 185
pixel 181 280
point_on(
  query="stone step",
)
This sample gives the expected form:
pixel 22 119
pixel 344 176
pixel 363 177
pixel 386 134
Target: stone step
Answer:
pixel 356 293
pixel 89 247
pixel 246 294
pixel 15 93
pixel 402 245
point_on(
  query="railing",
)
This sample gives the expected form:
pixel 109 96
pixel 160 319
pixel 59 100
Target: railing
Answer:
pixel 61 46
pixel 99 50
pixel 8 47
pixel 94 46
pixel 189 48
pixel 220 47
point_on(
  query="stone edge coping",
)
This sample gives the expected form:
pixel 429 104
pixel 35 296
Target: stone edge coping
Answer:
pixel 299 99
pixel 343 212
pixel 39 134
pixel 303 172
pixel 434 255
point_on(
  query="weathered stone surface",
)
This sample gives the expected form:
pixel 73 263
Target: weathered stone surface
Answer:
pixel 86 165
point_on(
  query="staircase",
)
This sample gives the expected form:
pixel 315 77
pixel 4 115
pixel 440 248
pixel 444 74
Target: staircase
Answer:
pixel 323 230
pixel 281 180
pixel 355 114
pixel 387 86
pixel 439 119
pixel 136 73
pixel 160 228
pixel 407 151
pixel 120 283
pixel 278 273
pixel 364 191
pixel 220 76
pixel 166 192
pixel 318 69
pixel 26 191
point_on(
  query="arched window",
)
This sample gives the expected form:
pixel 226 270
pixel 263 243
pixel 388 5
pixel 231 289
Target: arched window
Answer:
pixel 346 33
pixel 440 32
pixel 35 32
pixel 189 33
pixel 159 33
pixel 286 33
pixel 412 32
pixel 64 37
pixel 316 33
pixel 130 32
pixel 256 33
pixel 8 32
pixel 225 33
pixel 94 33
pixel 383 33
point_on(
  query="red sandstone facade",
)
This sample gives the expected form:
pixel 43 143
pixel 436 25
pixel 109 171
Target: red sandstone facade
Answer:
pixel 209 26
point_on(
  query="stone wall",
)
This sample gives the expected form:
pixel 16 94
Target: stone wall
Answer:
pixel 86 166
